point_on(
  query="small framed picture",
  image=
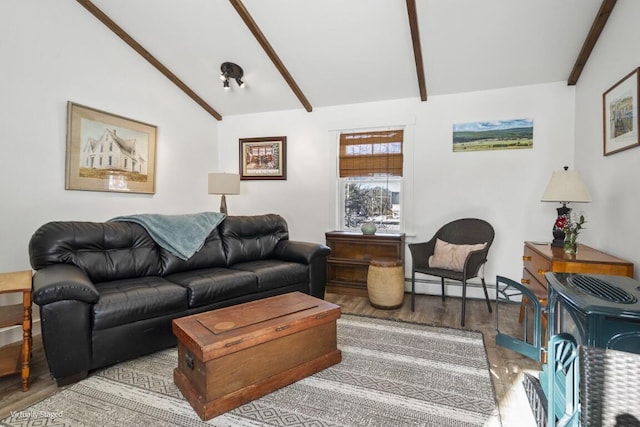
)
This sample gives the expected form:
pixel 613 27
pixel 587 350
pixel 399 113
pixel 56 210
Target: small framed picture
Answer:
pixel 620 114
pixel 263 158
pixel 107 152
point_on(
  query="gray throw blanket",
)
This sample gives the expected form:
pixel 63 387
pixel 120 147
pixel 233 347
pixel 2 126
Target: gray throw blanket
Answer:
pixel 182 235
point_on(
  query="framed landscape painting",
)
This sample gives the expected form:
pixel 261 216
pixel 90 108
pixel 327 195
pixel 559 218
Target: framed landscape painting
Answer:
pixel 620 114
pixel 493 135
pixel 263 158
pixel 107 152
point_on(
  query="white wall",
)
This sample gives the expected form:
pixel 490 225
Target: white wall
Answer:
pixel 613 180
pixel 54 52
pixel 503 187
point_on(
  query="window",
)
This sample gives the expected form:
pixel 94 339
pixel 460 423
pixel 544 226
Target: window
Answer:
pixel 370 171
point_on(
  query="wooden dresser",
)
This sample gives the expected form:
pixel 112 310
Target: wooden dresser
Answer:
pixel 540 258
pixel 351 252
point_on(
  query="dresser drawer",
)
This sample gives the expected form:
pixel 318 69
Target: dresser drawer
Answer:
pixel 533 283
pixel 348 273
pixel 536 264
pixel 364 249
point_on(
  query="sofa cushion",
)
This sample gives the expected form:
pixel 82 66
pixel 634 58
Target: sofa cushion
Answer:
pixel 211 285
pixel 210 255
pixel 251 238
pixel 273 274
pixel 130 300
pixel 104 251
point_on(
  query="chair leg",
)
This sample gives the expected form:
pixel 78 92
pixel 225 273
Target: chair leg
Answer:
pixel 486 294
pixel 442 281
pixel 464 301
pixel 413 290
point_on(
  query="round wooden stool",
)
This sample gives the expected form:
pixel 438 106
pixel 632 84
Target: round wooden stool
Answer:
pixel 385 283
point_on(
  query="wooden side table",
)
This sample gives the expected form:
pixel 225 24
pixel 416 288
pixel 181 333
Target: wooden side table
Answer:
pixel 540 258
pixel 351 253
pixel 15 358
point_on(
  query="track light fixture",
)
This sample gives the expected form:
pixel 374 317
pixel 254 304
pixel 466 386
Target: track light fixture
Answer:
pixel 229 70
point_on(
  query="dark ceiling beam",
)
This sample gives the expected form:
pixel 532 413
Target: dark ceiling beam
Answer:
pixel 417 50
pixel 271 53
pixel 93 9
pixel 590 41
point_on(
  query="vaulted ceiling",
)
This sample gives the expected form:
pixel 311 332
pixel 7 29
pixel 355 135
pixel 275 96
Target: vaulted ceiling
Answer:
pixel 305 54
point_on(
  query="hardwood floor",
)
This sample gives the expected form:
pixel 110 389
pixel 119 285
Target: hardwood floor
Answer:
pixel 506 366
pixel 41 386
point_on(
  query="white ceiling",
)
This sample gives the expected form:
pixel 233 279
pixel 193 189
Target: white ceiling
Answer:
pixel 354 51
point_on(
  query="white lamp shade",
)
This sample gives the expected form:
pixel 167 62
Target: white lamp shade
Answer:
pixel 566 186
pixel 224 183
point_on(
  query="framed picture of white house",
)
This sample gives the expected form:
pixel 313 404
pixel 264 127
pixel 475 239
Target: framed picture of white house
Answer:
pixel 107 152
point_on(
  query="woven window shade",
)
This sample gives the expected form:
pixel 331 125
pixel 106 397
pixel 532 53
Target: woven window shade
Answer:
pixel 371 153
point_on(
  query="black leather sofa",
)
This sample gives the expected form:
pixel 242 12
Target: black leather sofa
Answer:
pixel 107 292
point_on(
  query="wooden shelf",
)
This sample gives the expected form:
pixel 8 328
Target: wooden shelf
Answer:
pixel 11 315
pixel 15 358
pixel 10 359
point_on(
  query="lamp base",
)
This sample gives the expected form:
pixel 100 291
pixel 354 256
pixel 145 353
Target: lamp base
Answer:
pixel 223 205
pixel 558 232
pixel 558 238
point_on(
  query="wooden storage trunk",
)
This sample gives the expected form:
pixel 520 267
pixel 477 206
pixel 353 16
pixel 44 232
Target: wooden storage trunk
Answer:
pixel 233 355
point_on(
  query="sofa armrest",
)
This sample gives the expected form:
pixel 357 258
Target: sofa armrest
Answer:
pixel 63 282
pixel 66 334
pixel 302 252
pixel 312 254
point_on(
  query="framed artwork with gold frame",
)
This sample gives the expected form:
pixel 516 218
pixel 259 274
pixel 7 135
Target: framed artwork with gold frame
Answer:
pixel 107 152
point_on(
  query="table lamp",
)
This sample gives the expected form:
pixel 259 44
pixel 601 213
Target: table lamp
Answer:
pixel 224 183
pixel 565 187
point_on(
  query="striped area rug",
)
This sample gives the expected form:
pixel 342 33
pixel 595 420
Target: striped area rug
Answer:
pixel 392 374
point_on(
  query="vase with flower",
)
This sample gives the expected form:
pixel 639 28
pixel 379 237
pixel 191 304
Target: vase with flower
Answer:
pixel 571 225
